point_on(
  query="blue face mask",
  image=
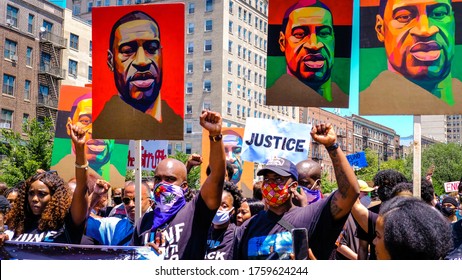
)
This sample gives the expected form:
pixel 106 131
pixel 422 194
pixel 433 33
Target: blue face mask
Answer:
pixel 312 195
pixel 221 217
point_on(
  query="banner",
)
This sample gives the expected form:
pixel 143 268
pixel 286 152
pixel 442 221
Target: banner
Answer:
pixel 106 157
pixel 451 186
pixel 410 57
pixel 309 53
pixel 357 160
pixel 138 71
pixel 152 152
pixel 265 139
pixel 243 170
pixel 13 250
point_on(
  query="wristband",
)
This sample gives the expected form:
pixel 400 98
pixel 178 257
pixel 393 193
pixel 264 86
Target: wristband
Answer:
pixel 215 138
pixel 84 166
pixel 333 147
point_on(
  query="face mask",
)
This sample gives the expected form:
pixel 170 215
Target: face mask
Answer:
pixel 169 200
pixel 117 200
pixel 312 195
pixel 448 211
pixel 365 200
pixel 274 194
pixel 221 217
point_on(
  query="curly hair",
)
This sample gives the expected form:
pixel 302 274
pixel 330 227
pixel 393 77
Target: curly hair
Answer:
pixel 401 188
pixel 386 180
pixel 20 218
pixel 413 230
pixel 235 192
pixel 427 192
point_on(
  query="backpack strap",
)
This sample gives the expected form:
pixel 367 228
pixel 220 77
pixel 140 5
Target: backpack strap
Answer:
pixel 285 224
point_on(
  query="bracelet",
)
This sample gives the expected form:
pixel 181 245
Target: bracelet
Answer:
pixel 333 147
pixel 215 138
pixel 84 166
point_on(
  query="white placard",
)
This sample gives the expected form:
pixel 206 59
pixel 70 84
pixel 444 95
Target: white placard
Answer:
pixel 152 152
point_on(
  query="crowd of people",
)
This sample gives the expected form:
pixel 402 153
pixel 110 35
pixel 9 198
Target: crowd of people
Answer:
pixel 217 222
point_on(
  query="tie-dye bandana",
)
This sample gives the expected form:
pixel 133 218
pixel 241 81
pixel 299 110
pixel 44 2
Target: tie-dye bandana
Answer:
pixel 169 200
pixel 275 194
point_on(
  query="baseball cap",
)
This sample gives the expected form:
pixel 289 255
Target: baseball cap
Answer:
pixel 364 187
pixel 280 166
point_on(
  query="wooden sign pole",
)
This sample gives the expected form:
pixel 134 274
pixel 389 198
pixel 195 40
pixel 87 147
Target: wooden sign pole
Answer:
pixel 417 155
pixel 137 180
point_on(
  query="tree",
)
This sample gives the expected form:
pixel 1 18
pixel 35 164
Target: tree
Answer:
pixel 194 175
pixel 23 156
pixel 327 185
pixel 367 173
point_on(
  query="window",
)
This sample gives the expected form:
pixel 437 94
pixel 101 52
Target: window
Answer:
pixel 76 9
pixel 239 70
pixel 30 23
pixel 12 15
pixel 6 119
pixel 230 66
pixel 190 28
pixel 190 47
pixel 191 8
pixel 29 56
pixel 27 90
pixel 208 25
pixel 74 41
pixel 189 88
pixel 43 94
pixel 190 67
pixel 207 45
pixel 231 4
pixel 188 127
pixel 98 3
pixel 178 147
pixel 238 110
pixel 48 26
pixel 188 148
pixel 90 48
pixel 208 5
pixel 230 87
pixel 207 65
pixel 25 118
pixel 228 108
pixel 188 108
pixel 120 2
pixel 8 84
pixel 90 5
pixel 230 27
pixel 90 73
pixel 107 2
pixel 206 105
pixel 45 62
pixel 238 90
pixel 10 49
pixel 169 149
pixel 72 68
pixel 230 46
pixel 207 86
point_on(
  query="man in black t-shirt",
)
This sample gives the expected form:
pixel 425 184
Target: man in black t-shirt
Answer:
pixel 267 234
pixel 177 229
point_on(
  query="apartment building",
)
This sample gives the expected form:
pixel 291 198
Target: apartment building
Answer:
pixel 30 60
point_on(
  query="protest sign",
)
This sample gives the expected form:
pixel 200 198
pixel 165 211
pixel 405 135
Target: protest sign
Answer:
pixel 152 152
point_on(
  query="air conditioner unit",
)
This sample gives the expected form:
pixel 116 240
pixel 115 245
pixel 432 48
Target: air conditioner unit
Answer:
pixel 9 21
pixel 14 58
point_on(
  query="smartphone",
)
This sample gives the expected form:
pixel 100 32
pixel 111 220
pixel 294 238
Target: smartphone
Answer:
pixel 300 243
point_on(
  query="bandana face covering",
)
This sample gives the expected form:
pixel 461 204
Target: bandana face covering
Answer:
pixel 221 217
pixel 169 200
pixel 274 194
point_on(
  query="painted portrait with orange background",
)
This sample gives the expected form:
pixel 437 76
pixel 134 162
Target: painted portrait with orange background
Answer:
pixel 138 63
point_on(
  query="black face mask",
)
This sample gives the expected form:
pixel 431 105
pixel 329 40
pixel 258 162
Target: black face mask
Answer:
pixel 117 200
pixel 448 211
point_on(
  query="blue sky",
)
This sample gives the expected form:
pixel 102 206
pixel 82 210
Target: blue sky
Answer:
pixel 403 125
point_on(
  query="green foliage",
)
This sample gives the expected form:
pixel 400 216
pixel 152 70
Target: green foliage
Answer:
pixel 194 174
pixel 25 155
pixel 368 173
pixel 327 185
pixel 447 159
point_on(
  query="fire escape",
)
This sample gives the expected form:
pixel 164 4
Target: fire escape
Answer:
pixel 49 74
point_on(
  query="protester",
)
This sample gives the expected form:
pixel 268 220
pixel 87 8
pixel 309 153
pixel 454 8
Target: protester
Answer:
pixel 309 179
pixel 12 193
pixel 409 229
pixel 3 188
pixel 4 208
pixel 221 233
pixel 268 234
pixel 256 192
pixel 45 210
pixel 449 208
pixel 184 223
pixel 249 208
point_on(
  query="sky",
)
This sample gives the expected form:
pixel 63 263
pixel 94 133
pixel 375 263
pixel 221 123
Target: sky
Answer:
pixel 403 125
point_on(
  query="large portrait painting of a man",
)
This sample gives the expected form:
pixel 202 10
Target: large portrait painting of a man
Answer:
pixel 138 62
pixel 410 57
pixel 309 51
pixel 107 158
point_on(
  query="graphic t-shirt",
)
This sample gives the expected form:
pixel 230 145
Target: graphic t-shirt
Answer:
pixel 186 234
pixel 67 233
pixel 108 231
pixel 220 243
pixel 262 236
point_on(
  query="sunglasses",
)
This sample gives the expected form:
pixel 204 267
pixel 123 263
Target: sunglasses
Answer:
pixel 126 200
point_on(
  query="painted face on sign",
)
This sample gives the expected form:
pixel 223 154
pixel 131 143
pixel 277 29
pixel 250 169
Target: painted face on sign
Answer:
pixel 136 60
pixel 419 38
pixel 97 151
pixel 308 44
pixel 233 147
